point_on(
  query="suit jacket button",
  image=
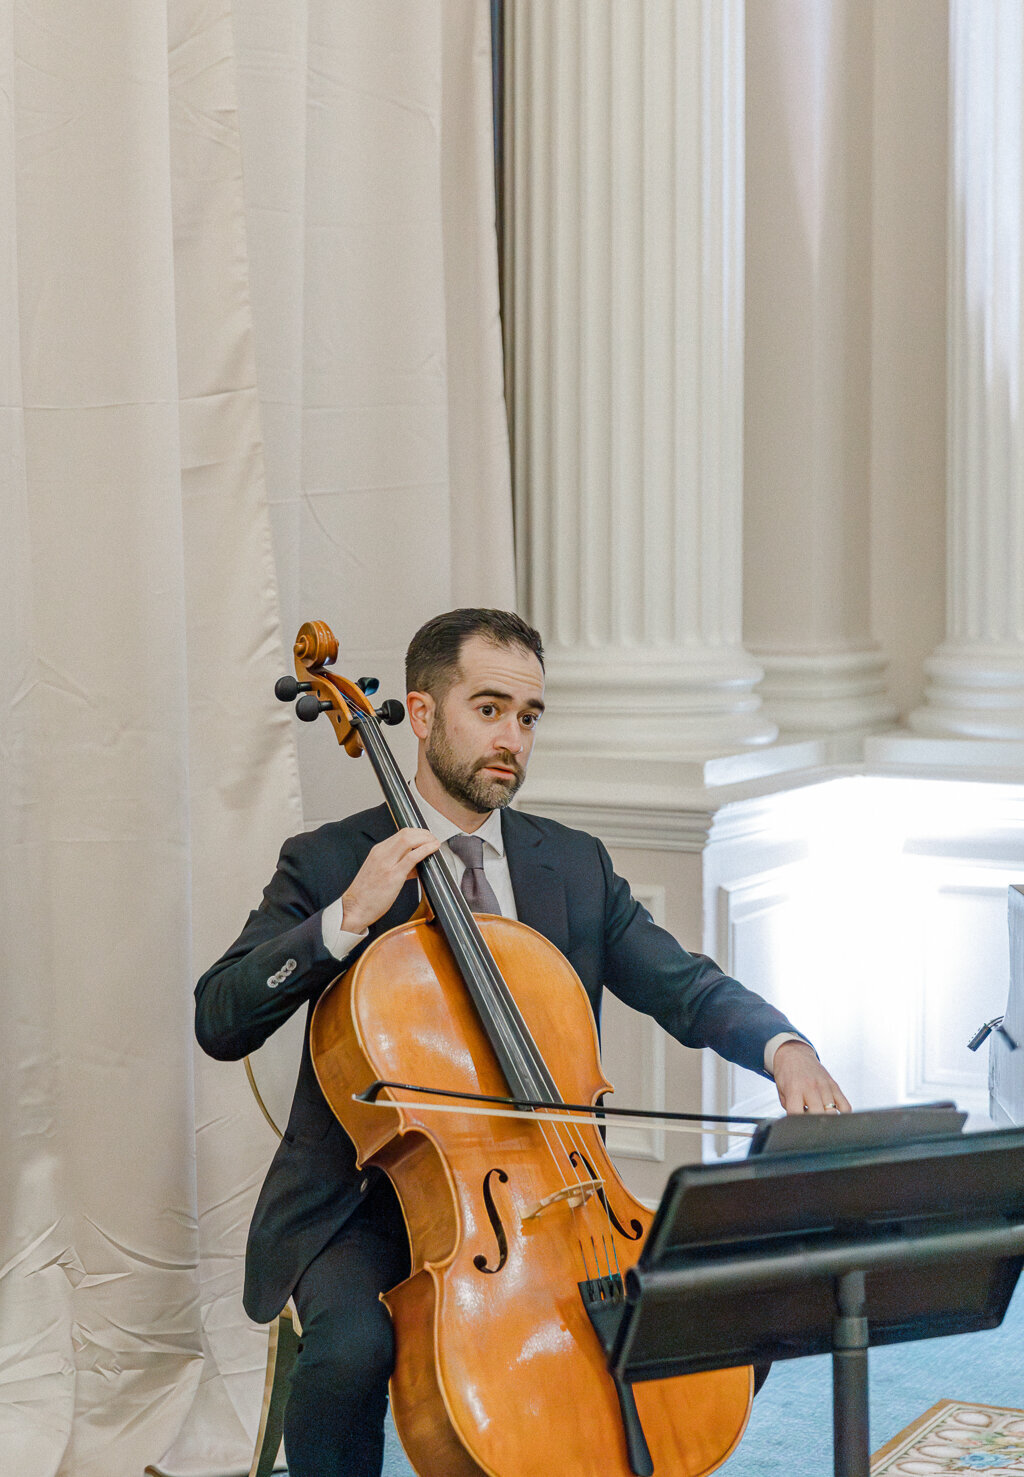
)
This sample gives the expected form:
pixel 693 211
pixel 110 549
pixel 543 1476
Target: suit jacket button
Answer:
pixel 364 1187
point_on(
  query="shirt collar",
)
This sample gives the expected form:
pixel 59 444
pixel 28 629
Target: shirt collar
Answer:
pixel 441 827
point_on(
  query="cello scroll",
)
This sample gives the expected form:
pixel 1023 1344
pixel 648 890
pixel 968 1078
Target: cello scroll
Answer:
pixel 315 649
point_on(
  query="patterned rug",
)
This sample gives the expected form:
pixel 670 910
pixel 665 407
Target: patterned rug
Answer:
pixel 955 1436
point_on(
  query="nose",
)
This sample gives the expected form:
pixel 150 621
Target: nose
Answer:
pixel 510 735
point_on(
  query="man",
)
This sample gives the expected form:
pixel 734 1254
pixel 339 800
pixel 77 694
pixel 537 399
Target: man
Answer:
pixel 323 1232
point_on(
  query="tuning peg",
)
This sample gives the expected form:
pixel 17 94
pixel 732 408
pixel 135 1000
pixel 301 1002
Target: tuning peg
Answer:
pixel 391 711
pixel 368 685
pixel 309 707
pixel 287 689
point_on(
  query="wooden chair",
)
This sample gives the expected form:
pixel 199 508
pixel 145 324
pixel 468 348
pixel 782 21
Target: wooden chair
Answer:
pixel 272 1072
pixel 282 1347
pixel 284 1332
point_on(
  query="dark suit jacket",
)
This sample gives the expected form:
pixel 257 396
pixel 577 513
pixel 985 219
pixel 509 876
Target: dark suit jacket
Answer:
pixel 564 887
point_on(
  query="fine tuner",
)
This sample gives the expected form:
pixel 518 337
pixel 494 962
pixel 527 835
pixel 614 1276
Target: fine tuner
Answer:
pixel 309 707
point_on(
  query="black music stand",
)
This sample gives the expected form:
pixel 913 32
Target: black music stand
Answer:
pixel 828 1252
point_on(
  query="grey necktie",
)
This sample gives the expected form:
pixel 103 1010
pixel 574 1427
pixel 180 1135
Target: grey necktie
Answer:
pixel 476 889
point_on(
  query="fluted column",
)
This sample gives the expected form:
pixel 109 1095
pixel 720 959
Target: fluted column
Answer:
pixel 976 677
pixel 808 347
pixel 624 294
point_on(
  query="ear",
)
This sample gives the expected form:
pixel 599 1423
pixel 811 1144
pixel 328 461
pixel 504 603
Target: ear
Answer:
pixel 420 707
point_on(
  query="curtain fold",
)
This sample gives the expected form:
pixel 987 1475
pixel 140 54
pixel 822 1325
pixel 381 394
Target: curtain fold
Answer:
pixel 377 330
pixel 99 1291
pixel 243 778
pixel 251 374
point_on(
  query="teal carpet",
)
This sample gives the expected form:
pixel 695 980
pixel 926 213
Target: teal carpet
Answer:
pixel 790 1430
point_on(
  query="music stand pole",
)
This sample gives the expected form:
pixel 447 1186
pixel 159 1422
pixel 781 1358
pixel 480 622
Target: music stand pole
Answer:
pixel 850 1441
pixel 800 1253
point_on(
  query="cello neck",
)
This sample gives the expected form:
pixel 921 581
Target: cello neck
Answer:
pixel 518 1055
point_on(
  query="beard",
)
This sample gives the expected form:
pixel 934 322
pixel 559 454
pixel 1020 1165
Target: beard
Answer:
pixel 463 778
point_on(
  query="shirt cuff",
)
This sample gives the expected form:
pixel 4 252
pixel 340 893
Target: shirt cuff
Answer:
pixel 773 1046
pixel 336 940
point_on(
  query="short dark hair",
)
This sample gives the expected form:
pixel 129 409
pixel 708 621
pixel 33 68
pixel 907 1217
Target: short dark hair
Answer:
pixel 432 661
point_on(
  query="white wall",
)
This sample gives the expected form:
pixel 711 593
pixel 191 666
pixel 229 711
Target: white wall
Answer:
pixel 870 909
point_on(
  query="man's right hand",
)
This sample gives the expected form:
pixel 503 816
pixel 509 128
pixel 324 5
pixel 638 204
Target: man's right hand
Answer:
pixel 380 879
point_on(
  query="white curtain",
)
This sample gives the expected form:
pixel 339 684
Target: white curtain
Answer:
pixel 251 363
pixel 368 158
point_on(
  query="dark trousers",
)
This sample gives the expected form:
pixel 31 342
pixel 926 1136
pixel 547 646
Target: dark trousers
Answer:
pixel 334 1419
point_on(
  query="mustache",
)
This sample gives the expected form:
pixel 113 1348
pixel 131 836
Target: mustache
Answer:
pixel 505 759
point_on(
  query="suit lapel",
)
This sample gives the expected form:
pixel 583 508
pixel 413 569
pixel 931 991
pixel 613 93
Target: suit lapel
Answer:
pixel 377 826
pixel 536 884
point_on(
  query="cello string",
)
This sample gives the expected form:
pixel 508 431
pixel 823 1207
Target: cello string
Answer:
pixel 570 1163
pixel 499 1012
pixel 605 1203
pixel 568 1151
pixel 525 1077
pixel 451 901
pixel 454 906
pixel 455 912
pixel 618 1270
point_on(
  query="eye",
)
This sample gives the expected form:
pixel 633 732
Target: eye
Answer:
pixel 529 720
pixel 487 710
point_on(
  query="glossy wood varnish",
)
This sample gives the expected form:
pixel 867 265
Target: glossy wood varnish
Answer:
pixel 498 1368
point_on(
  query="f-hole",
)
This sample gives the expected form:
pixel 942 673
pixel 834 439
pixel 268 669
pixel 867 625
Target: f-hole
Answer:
pixel 636 1230
pixel 480 1262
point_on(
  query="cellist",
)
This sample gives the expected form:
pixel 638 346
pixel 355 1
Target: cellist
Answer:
pixel 328 1235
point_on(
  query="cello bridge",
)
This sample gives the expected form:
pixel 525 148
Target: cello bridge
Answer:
pixel 573 1195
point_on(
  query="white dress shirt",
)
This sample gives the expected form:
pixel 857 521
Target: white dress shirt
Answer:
pixel 340 943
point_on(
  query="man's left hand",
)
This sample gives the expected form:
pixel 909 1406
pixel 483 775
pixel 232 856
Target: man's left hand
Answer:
pixel 803 1084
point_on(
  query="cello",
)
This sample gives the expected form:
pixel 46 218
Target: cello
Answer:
pixel 520 1229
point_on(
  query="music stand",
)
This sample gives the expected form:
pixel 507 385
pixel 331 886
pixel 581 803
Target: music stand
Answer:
pixel 794 1254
